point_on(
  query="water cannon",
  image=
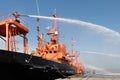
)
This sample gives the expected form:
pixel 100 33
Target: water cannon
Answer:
pixel 16 15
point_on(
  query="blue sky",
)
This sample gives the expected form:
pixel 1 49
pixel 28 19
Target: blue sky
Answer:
pixel 100 12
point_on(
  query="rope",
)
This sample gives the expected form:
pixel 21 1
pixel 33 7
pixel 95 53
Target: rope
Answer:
pixel 28 60
pixel 59 71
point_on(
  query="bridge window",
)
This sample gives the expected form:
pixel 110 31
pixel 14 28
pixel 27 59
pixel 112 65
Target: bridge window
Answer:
pixel 55 51
pixel 50 51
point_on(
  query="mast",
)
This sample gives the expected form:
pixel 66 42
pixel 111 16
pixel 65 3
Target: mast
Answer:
pixel 54 32
pixel 55 22
pixel 38 32
pixel 72 46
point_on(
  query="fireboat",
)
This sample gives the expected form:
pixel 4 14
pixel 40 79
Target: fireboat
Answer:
pixel 50 59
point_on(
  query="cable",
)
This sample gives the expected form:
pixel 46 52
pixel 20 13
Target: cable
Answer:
pixel 59 71
pixel 38 10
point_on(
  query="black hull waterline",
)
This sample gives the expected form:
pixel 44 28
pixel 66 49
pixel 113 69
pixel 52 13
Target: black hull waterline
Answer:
pixel 15 65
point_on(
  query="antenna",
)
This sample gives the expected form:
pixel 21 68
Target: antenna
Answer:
pixel 72 46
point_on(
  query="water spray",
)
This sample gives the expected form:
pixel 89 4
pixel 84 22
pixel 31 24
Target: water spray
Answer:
pixel 98 28
pixel 100 53
pixel 98 69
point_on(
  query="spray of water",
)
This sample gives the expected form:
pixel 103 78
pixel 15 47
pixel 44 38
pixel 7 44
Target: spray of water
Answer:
pixel 97 28
pixel 104 54
pixel 98 69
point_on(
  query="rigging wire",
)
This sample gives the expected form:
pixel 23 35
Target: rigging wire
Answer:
pixel 38 10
